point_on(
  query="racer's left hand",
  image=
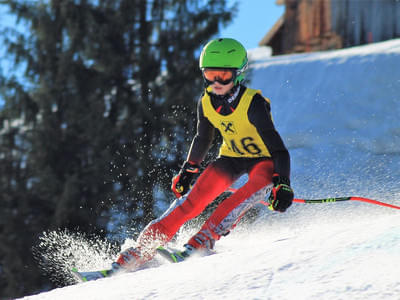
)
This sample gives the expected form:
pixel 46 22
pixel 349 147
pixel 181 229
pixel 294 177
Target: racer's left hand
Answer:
pixel 281 196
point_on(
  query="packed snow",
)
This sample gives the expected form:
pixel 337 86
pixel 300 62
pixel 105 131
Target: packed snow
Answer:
pixel 339 114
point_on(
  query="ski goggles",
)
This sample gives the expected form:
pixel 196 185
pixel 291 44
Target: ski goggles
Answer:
pixel 222 76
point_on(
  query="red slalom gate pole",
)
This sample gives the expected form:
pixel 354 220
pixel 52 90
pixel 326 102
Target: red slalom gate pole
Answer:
pixel 337 199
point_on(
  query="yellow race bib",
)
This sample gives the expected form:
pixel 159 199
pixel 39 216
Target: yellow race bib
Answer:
pixel 240 137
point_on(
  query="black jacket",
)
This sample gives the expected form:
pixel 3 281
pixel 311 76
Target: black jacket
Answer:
pixel 258 114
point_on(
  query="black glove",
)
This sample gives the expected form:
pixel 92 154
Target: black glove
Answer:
pixel 281 196
pixel 183 182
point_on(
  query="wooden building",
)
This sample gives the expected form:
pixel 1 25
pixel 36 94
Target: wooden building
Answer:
pixel 314 25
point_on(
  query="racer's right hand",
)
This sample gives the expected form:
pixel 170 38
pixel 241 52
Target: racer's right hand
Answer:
pixel 183 182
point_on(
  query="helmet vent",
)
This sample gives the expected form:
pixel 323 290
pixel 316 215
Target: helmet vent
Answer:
pixel 232 50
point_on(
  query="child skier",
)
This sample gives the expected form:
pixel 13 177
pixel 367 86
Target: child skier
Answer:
pixel 250 145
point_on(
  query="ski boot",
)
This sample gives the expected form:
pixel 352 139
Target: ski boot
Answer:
pixel 128 260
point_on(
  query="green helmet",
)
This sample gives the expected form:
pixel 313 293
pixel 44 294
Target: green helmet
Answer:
pixel 225 53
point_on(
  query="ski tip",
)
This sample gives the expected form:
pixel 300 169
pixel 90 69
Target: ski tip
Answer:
pixel 77 276
pixel 90 276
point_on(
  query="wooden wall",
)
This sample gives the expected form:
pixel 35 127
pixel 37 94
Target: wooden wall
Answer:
pixel 313 25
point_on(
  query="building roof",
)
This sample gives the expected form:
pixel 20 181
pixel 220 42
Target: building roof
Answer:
pixel 270 34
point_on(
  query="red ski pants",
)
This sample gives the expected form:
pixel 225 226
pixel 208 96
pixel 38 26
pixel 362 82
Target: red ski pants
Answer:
pixel 215 179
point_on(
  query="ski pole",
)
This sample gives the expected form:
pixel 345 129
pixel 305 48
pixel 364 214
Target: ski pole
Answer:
pixel 337 199
pixel 326 200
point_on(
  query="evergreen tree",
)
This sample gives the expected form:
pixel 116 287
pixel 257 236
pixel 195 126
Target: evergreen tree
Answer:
pixel 100 120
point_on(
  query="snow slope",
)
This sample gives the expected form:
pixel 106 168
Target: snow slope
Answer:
pixel 339 113
pixel 357 258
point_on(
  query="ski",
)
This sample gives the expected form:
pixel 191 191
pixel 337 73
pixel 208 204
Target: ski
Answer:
pixel 89 276
pixel 172 256
pixel 176 256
